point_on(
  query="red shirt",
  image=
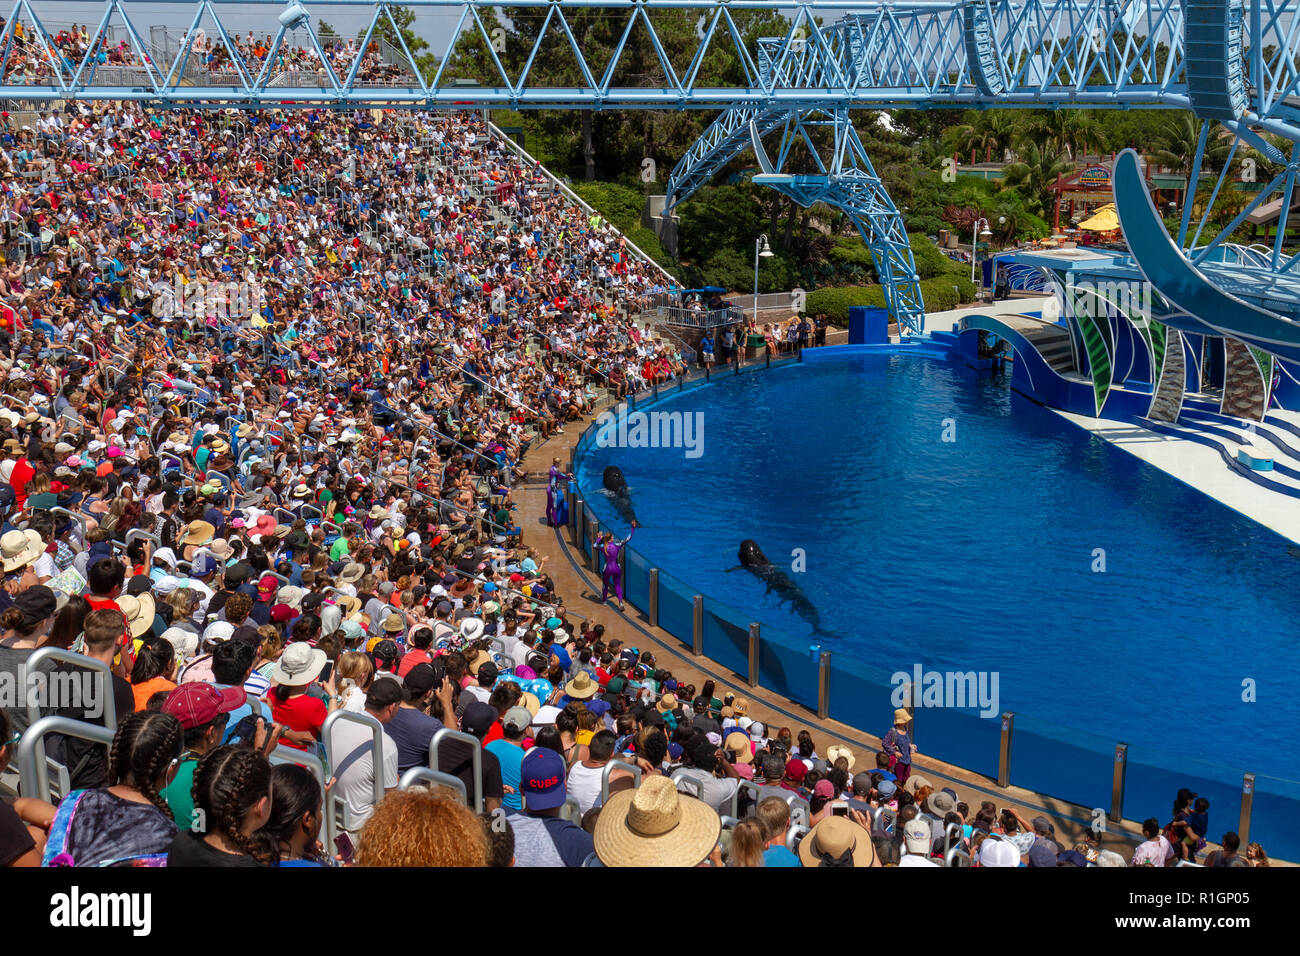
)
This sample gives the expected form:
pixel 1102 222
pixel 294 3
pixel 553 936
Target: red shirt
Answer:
pixel 301 713
pixel 411 659
pixel 23 472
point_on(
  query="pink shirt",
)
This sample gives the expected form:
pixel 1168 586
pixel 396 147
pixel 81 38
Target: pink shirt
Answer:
pixel 1154 852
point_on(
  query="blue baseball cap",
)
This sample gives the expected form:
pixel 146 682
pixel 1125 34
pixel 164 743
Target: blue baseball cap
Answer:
pixel 203 564
pixel 541 777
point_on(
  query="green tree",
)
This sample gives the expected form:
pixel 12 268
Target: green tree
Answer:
pixel 1034 176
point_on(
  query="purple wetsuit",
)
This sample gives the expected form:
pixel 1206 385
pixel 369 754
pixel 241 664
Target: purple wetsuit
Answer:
pixel 613 574
pixel 554 494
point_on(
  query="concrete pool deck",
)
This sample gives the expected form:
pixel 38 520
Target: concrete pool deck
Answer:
pixel 1199 467
pixel 580 586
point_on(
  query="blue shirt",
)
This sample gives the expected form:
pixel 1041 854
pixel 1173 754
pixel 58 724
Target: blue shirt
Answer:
pixel 780 856
pixel 412 730
pixel 511 758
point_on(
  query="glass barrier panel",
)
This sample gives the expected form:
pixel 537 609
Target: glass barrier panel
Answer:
pixel 1060 762
pixel 676 608
pixel 725 640
pixel 786 669
pixel 1273 817
pixel 859 695
pixel 636 580
pixel 1154 777
pixel 959 736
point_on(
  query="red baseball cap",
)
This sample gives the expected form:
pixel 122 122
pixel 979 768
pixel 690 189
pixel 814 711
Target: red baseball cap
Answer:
pixel 796 770
pixel 267 586
pixel 196 703
pixel 281 613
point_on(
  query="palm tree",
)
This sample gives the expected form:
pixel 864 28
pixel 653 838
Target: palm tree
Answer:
pixel 986 133
pixel 1062 131
pixel 1034 176
pixel 1175 145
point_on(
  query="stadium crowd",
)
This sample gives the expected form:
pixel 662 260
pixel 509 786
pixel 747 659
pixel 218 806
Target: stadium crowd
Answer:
pixel 64 51
pixel 268 382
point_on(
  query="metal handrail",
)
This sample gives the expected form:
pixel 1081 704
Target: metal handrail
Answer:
pixel 418 776
pixel 691 783
pixel 376 753
pixel 33 764
pixel 610 767
pixel 793 835
pixel 743 786
pixel 951 838
pixel 79 520
pixel 42 654
pixel 476 759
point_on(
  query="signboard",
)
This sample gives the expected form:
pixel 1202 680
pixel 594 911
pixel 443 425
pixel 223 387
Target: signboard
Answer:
pixel 1095 177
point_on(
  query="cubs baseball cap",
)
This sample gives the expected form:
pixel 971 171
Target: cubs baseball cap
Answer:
pixel 541 777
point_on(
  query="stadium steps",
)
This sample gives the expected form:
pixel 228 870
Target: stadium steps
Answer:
pixel 1053 344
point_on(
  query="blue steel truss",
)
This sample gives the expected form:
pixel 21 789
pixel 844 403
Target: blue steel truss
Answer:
pixel 845 178
pixel 912 53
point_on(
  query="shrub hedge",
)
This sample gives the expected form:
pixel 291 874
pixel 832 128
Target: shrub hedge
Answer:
pixel 939 294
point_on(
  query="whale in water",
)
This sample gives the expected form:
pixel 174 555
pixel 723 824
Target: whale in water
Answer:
pixel 616 485
pixel 756 562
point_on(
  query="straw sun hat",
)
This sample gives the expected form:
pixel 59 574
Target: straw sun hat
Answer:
pixel 836 841
pixel 654 825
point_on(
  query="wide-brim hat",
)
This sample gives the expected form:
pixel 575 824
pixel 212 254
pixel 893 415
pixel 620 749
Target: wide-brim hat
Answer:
pixel 738 743
pixel 654 825
pixel 20 548
pixel 666 703
pixel 198 532
pixel 301 491
pixel 529 700
pixel 477 660
pixel 393 624
pixel 377 512
pixel 835 751
pixel 139 612
pixel 901 716
pixel 299 665
pixel 471 629
pixel 836 836
pixel 348 604
pixel 352 573
pixel 581 687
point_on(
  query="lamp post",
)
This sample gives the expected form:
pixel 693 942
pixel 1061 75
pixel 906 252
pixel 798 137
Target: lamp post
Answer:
pixel 976 236
pixel 763 251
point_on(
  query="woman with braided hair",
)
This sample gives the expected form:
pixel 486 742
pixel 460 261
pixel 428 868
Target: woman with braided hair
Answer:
pixel 127 823
pixel 296 816
pixel 232 802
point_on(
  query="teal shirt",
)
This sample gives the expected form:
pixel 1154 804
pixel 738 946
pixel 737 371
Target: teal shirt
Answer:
pixel 780 856
pixel 178 797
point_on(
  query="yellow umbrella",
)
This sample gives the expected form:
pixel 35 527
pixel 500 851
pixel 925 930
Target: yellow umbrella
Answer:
pixel 1104 219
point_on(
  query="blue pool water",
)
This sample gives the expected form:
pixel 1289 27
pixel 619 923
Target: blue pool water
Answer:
pixel 978 553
